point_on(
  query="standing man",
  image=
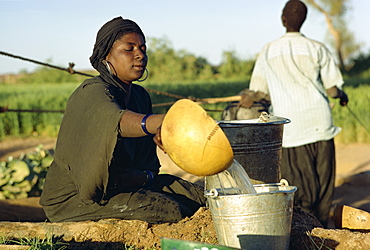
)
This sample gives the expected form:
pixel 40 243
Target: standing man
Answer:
pixel 299 73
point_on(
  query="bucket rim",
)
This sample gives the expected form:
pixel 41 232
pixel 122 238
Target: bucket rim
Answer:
pixel 287 190
pixel 277 184
pixel 277 120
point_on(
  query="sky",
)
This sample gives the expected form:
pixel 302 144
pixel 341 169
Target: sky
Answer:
pixel 60 32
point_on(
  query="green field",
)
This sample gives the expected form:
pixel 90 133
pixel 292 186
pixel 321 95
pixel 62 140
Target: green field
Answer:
pixel 354 120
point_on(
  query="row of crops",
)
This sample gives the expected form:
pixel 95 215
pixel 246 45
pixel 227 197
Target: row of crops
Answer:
pixel 354 120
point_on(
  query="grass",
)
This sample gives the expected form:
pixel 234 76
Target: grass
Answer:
pixel 53 243
pixel 49 243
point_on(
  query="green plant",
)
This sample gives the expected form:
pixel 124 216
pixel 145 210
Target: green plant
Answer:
pixel 48 243
pixel 32 99
pixel 24 177
pixel 55 243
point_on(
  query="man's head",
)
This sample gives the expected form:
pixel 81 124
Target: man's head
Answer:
pixel 293 16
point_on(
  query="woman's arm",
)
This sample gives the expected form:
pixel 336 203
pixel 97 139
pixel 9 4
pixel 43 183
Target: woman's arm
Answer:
pixel 131 124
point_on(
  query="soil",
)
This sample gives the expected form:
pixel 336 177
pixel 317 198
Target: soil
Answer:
pixel 352 182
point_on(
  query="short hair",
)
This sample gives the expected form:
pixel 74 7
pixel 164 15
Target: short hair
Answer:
pixel 295 13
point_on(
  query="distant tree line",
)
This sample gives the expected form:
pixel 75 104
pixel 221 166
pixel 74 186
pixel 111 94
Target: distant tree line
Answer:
pixel 166 65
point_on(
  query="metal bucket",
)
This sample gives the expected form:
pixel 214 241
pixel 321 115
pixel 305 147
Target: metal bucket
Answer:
pixel 254 221
pixel 175 244
pixel 257 146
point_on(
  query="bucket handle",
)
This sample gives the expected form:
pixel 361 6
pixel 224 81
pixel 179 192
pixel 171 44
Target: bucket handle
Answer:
pixel 212 193
pixel 284 182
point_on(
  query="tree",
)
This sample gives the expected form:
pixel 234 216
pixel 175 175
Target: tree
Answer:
pixel 342 39
pixel 169 65
pixel 231 65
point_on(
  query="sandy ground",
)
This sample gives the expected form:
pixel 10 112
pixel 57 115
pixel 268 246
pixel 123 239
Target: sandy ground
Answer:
pixel 352 177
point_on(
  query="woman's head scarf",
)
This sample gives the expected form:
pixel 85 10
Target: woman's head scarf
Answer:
pixel 107 35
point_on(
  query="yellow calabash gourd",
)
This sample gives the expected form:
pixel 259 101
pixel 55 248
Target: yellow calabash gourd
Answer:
pixel 194 141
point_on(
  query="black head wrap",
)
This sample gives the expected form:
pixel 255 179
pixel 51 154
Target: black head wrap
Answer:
pixel 107 35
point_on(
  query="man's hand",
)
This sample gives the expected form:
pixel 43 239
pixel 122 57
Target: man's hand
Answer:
pixel 246 101
pixel 343 100
pixel 335 92
pixel 250 97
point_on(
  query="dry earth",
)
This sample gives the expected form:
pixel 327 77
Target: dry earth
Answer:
pixel 352 189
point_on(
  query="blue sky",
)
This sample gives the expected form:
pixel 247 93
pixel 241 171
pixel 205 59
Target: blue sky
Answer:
pixel 64 31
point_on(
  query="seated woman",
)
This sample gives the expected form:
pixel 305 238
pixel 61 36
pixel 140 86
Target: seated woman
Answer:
pixel 105 163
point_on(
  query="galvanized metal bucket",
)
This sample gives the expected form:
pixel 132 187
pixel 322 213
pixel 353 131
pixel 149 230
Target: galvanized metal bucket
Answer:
pixel 175 244
pixel 257 146
pixel 254 221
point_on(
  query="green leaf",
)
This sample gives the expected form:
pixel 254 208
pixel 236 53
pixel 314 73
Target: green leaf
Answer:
pixel 20 170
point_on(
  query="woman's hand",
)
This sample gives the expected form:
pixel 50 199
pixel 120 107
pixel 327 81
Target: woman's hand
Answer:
pixel 158 140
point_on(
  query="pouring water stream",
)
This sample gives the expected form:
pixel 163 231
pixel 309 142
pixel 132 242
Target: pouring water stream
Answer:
pixel 231 181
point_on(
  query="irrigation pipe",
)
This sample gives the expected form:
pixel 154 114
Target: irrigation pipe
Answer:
pixel 5 109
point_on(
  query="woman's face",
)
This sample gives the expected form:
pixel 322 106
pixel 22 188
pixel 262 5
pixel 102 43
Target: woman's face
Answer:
pixel 128 57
